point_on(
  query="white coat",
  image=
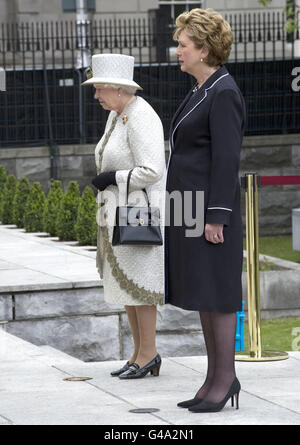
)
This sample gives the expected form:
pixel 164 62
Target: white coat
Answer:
pixel 132 275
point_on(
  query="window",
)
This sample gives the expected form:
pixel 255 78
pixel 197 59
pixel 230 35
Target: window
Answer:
pixel 70 5
pixel 175 7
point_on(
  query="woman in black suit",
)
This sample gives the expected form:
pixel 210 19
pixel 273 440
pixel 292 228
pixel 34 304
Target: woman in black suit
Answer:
pixel 203 268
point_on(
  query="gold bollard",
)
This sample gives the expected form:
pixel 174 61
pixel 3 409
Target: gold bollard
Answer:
pixel 255 353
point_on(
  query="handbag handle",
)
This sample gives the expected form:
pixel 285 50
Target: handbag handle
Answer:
pixel 128 181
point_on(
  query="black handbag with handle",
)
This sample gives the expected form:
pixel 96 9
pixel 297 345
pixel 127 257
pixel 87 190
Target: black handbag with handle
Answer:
pixel 137 225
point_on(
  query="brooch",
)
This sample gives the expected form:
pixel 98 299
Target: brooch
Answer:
pixel 124 119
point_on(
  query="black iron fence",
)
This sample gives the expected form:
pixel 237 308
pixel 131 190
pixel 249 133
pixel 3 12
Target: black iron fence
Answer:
pixel 45 64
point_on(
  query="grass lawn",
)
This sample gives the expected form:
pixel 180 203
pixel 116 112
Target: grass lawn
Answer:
pixel 278 246
pixel 278 334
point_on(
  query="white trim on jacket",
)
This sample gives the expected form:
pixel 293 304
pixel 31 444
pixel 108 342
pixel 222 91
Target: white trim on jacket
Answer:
pixel 172 135
pixel 219 208
pixel 205 95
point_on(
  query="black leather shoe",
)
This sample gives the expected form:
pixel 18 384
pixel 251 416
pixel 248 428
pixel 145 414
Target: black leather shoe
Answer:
pixel 135 372
pixel 119 371
pixel 210 407
pixel 189 403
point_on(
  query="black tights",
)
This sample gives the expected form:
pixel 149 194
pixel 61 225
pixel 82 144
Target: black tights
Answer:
pixel 219 335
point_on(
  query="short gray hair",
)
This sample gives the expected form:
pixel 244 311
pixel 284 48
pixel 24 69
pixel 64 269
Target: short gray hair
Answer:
pixel 127 89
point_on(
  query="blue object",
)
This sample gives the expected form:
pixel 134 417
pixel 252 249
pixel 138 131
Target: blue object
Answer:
pixel 239 335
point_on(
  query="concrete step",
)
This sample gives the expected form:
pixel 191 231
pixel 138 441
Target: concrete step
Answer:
pixel 52 353
pixel 15 348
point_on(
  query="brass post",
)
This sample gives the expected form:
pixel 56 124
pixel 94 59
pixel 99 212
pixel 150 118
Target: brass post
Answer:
pixel 255 352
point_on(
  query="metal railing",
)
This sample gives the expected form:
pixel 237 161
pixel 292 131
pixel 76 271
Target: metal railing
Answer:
pixel 64 44
pixel 45 65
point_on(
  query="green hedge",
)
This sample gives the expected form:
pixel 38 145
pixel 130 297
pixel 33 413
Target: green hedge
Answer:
pixel 69 215
pixel 3 179
pixel 51 208
pixel 34 209
pixel 86 224
pixel 9 191
pixel 19 202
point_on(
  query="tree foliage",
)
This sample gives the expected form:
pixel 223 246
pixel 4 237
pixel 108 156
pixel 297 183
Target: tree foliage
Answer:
pixel 9 191
pixel 20 200
pixel 289 9
pixel 3 178
pixel 86 224
pixel 51 209
pixel 34 209
pixel 67 215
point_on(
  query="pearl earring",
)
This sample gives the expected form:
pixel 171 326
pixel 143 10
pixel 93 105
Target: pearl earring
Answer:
pixel 201 60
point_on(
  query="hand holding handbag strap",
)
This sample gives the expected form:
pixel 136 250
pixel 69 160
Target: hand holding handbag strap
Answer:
pixel 128 181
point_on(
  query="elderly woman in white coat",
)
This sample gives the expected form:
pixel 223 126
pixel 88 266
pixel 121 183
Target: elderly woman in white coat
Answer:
pixel 133 276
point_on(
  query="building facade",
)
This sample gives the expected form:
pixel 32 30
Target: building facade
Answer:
pixel 56 10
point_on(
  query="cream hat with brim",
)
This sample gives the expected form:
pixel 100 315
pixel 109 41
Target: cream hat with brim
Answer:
pixel 112 69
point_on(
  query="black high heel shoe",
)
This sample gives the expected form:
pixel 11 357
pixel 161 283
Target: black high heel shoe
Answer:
pixel 189 403
pixel 210 407
pixel 119 371
pixel 135 372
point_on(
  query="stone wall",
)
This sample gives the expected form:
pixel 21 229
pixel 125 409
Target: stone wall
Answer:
pixel 80 323
pixel 265 155
pixel 273 156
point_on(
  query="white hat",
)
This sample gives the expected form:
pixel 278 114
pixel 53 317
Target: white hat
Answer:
pixel 115 69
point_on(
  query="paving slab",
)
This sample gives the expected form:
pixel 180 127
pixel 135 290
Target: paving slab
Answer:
pixel 33 390
pixel 32 386
pixel 30 261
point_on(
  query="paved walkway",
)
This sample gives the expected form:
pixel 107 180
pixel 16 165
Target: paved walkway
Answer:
pixel 33 392
pixel 32 386
pixel 35 261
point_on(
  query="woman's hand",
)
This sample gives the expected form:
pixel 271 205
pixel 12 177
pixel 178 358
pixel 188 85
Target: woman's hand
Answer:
pixel 214 233
pixel 104 180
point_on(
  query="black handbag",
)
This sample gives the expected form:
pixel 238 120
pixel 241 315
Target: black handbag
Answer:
pixel 137 225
